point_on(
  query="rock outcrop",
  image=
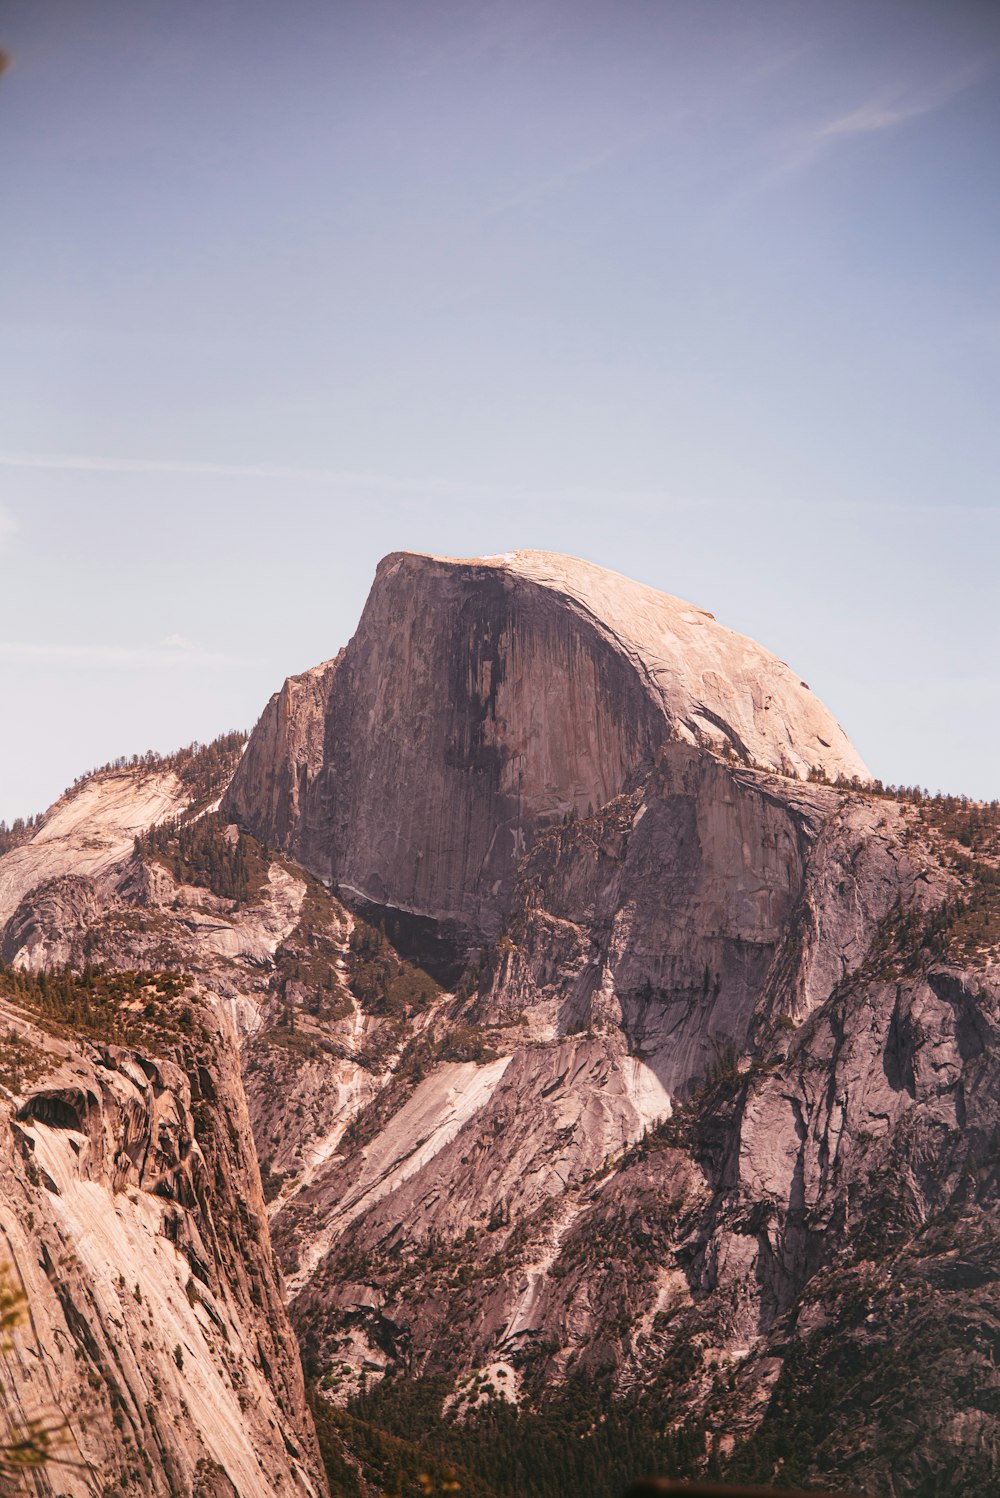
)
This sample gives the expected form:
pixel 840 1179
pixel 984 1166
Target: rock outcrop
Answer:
pixel 131 1216
pixel 481 701
pixel 131 1208
pixel 727 1143
pixel 89 830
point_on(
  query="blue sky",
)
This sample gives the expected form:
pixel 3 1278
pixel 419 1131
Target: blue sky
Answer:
pixel 708 293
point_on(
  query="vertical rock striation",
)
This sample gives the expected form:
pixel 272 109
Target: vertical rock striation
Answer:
pixel 481 701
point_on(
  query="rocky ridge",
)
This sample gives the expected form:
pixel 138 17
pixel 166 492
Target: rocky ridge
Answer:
pixel 133 1217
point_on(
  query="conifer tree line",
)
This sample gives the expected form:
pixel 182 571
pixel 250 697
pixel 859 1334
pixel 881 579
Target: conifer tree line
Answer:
pixel 204 770
pixel 19 831
pixel 205 853
pixel 114 1006
pixel 575 1442
pixel 198 765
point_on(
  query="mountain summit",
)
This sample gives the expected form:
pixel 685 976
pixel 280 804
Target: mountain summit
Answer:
pixel 480 701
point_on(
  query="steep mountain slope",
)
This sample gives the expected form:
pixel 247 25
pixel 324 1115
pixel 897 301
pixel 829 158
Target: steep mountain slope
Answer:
pixel 89 831
pixel 813 1221
pixel 716 1053
pixel 134 1222
pixel 131 1210
pixel 480 701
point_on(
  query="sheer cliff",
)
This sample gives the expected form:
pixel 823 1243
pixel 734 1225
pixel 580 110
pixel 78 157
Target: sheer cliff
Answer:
pixel 481 701
pixel 133 1222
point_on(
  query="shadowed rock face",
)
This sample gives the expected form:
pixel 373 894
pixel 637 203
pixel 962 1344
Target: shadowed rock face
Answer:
pixel 481 701
pixel 662 916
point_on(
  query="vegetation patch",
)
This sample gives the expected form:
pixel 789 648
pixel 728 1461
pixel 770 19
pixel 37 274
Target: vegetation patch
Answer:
pixel 311 957
pixel 143 1009
pixel 19 831
pixel 355 1451
pixel 384 983
pixel 203 769
pixel 575 1442
pixel 21 1063
pixel 210 854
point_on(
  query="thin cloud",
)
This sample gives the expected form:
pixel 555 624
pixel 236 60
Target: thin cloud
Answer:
pixel 176 648
pixel 36 653
pixel 889 109
pixel 376 483
pixel 875 116
pixel 86 463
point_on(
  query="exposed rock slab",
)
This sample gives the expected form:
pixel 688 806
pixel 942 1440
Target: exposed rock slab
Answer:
pixel 89 830
pixel 132 1216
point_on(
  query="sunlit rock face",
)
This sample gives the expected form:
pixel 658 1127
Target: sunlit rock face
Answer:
pixel 131 1217
pixel 286 755
pixel 480 701
pixel 89 830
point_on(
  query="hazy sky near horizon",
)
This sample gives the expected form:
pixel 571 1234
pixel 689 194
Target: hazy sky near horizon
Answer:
pixel 706 292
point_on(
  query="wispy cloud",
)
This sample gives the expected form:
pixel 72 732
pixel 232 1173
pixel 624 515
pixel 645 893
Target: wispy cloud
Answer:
pixel 114 656
pixel 88 463
pixel 897 106
pixel 796 151
pixel 350 482
pixel 340 478
pixel 177 649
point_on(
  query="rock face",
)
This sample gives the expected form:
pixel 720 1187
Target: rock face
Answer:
pixel 664 917
pixel 481 701
pixel 132 1218
pixel 89 830
pixel 287 752
pixel 131 1210
pixel 698 1128
pixel 726 1150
